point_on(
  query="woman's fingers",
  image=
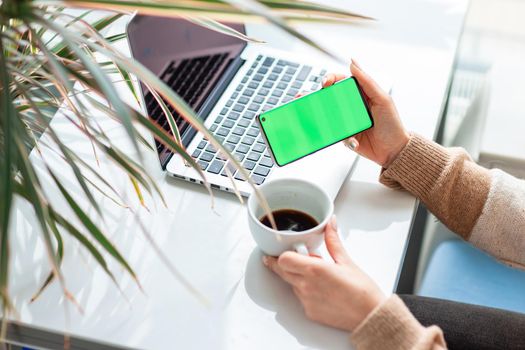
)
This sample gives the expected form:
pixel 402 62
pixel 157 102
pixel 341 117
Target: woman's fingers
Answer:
pixel 273 264
pixel 332 78
pixel 369 86
pixel 333 243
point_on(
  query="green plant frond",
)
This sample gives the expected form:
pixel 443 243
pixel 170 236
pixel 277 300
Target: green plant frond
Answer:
pixel 52 62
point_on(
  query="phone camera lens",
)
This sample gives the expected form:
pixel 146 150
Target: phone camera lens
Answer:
pixel 263 119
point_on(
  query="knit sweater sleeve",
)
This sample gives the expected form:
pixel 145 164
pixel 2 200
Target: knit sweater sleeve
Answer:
pixel 485 207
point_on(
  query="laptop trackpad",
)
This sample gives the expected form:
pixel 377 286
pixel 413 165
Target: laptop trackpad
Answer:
pixel 327 168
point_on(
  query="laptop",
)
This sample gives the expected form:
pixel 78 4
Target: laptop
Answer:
pixel 228 82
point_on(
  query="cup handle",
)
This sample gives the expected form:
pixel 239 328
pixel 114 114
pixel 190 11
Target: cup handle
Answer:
pixel 301 248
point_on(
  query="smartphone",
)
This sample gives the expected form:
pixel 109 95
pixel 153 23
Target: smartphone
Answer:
pixel 315 121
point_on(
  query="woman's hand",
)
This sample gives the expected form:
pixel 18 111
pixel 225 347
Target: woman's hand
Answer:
pixel 388 137
pixel 336 294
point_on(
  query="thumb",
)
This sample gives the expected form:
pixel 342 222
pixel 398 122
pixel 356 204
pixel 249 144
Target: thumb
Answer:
pixel 368 85
pixel 334 244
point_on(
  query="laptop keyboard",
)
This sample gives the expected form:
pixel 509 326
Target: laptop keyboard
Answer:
pixel 268 83
pixel 189 78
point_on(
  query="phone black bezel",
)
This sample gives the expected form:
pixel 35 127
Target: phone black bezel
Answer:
pixel 363 98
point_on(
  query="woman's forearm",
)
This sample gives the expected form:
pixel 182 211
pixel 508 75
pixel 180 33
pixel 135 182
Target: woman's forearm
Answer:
pixel 484 207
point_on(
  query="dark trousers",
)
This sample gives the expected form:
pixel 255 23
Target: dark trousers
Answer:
pixel 468 326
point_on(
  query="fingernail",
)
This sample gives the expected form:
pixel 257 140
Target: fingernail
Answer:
pixel 324 80
pixel 265 260
pixel 354 62
pixel 352 144
pixel 333 222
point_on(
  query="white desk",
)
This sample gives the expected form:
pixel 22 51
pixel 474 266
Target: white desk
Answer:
pixel 415 42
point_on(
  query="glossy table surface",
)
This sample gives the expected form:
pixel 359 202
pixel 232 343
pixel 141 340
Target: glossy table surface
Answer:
pixel 413 42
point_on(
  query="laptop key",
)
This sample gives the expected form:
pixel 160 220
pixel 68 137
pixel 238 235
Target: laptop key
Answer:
pixel 223 131
pixel 238 108
pixel 254 156
pixel 259 148
pixel 244 80
pixel 234 95
pixel 248 92
pixel 238 131
pixel 267 108
pixel 303 73
pixel 228 124
pixel 234 139
pixel 273 77
pixel 277 93
pixel 258 179
pixel 243 100
pixel 247 140
pixel 239 87
pixel 258 77
pixel 273 100
pixel 229 146
pixel 287 78
pixel 220 138
pixel 213 127
pixel 291 70
pixel 219 119
pixel 249 72
pixel 262 70
pixel 248 115
pixel 203 165
pixel 233 115
pixel 266 161
pixel 239 156
pixel 224 111
pixel 263 91
pixel 201 144
pixel 253 132
pixel 253 85
pixel 239 176
pixel 277 70
pixel 196 153
pixel 205 156
pixel 281 63
pixel 287 99
pixel 268 61
pixel 282 86
pixel 297 84
pixel 258 57
pixel 260 170
pixel 292 92
pixel 229 103
pixel 244 123
pixel 268 84
pixel 230 167
pixel 254 107
pixel 243 148
pixel 314 87
pixel 211 148
pixel 248 164
pixel 258 99
pixel 216 166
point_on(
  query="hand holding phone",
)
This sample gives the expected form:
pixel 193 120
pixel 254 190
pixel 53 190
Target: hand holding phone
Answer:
pixel 315 121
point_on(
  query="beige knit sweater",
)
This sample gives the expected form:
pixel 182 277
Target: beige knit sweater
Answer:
pixel 486 208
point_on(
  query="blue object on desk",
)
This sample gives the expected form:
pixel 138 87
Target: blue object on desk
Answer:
pixel 460 272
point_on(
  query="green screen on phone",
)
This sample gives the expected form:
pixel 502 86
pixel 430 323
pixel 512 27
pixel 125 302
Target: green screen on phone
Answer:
pixel 315 121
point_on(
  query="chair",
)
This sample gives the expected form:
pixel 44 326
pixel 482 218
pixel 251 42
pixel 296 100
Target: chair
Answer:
pixel 460 272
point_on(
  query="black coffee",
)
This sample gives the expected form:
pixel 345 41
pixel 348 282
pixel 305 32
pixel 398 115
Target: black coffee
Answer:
pixel 290 220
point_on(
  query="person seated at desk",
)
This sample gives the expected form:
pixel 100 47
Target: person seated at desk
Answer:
pixel 486 208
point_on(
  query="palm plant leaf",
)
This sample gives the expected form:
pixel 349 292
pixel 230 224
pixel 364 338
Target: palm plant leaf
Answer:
pixel 51 62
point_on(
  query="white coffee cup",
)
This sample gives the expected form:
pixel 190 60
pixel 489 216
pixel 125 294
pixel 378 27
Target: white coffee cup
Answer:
pixel 294 194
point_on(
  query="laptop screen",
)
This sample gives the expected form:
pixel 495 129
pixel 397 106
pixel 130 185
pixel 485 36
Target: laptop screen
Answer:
pixel 191 59
pixel 156 40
